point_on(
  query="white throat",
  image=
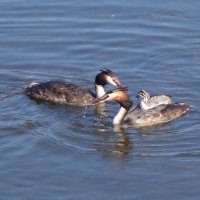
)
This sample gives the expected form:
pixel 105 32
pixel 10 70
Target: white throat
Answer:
pixel 118 119
pixel 99 90
pixel 143 105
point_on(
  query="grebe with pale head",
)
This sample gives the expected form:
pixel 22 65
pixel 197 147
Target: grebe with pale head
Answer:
pixel 148 101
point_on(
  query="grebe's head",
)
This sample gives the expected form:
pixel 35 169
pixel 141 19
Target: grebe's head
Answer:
pixel 107 76
pixel 143 95
pixel 118 95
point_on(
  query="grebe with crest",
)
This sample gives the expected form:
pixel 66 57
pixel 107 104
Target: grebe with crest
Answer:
pixel 138 117
pixel 61 92
pixel 148 101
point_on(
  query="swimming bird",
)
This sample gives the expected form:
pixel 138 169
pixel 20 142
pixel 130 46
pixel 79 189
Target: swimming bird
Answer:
pixel 61 92
pixel 148 102
pixel 138 117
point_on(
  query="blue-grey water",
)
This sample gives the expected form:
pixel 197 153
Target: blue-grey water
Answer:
pixel 69 152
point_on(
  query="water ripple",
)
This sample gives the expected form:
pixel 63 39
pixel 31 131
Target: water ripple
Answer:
pixel 53 151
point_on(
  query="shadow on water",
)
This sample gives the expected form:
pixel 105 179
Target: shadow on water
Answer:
pixel 160 128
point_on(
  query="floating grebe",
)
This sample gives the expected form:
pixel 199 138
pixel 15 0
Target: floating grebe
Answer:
pixel 61 92
pixel 148 102
pixel 138 117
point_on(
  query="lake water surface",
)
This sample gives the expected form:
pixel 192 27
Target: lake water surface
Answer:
pixel 69 152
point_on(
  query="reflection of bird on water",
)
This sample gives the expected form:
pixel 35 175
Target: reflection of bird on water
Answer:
pixel 117 145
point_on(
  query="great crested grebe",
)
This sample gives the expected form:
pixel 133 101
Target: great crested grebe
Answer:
pixel 61 92
pixel 148 102
pixel 140 118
